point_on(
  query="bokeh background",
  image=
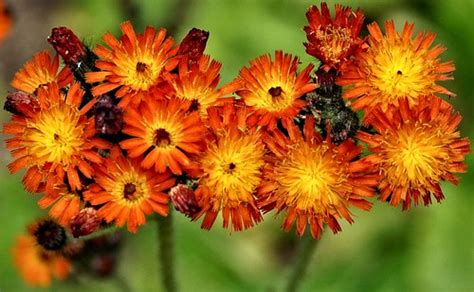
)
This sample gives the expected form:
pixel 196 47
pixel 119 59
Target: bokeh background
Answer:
pixel 424 249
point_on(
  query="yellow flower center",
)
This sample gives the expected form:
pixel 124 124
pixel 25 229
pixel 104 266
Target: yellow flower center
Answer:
pixel 415 156
pixel 55 135
pixel 233 168
pixel 398 72
pixel 140 71
pixel 130 188
pixel 310 178
pixel 334 41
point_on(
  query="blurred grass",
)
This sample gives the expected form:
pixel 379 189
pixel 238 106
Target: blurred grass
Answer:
pixel 425 249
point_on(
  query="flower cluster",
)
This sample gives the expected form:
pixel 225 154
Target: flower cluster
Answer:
pixel 124 129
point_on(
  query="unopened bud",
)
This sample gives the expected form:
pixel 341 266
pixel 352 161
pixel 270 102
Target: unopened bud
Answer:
pixel 193 45
pixel 49 234
pixel 184 200
pixel 108 116
pixel 21 103
pixel 84 223
pixel 67 45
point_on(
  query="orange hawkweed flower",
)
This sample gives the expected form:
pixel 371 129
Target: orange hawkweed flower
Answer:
pixel 5 21
pixel 128 192
pixel 36 265
pixel 231 170
pixel 313 180
pixel 55 141
pixel 395 67
pixel 65 205
pixel 134 64
pixel 197 84
pixel 163 130
pixel 41 70
pixel 273 89
pixel 333 41
pixel 415 149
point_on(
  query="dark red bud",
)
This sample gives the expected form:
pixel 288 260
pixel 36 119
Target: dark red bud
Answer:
pixel 193 45
pixel 84 223
pixel 184 200
pixel 108 116
pixel 67 45
pixel 21 103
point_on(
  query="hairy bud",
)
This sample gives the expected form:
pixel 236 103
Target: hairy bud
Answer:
pixel 85 222
pixel 108 116
pixel 67 45
pixel 184 200
pixel 193 45
pixel 21 103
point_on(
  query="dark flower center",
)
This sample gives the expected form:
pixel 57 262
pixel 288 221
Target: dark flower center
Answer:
pixel 141 67
pixel 162 138
pixel 195 105
pixel 129 191
pixel 275 91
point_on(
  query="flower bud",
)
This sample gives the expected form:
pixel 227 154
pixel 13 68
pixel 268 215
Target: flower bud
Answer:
pixel 67 45
pixel 21 103
pixel 108 116
pixel 184 200
pixel 193 45
pixel 84 223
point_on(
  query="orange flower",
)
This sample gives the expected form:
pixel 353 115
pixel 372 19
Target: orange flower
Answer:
pixel 415 149
pixel 165 132
pixel 65 205
pixel 36 265
pixel 333 41
pixel 273 89
pixel 127 192
pixel 5 21
pixel 41 70
pixel 196 84
pixel 313 180
pixel 395 67
pixel 54 141
pixel 231 170
pixel 133 65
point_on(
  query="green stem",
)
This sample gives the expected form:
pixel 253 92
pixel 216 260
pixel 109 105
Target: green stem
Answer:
pixel 99 233
pixel 166 252
pixel 307 247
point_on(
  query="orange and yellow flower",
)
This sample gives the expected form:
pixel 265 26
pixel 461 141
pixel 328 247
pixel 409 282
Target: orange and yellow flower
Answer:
pixel 36 265
pixel 134 64
pixel 196 84
pixel 127 192
pixel 333 41
pixel 395 67
pixel 54 142
pixel 5 21
pixel 231 170
pixel 165 133
pixel 41 70
pixel 274 89
pixel 313 180
pixel 415 149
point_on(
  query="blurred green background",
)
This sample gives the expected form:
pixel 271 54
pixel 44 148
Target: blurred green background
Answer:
pixel 424 249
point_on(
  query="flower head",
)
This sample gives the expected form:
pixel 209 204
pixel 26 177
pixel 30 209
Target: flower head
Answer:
pixel 54 142
pixel 196 84
pixel 273 88
pixel 415 149
pixel 37 265
pixel 333 41
pixel 126 192
pixel 41 70
pixel 313 180
pixel 231 170
pixel 133 65
pixel 164 133
pixel 395 67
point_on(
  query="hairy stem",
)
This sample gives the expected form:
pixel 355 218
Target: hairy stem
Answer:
pixel 307 246
pixel 166 252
